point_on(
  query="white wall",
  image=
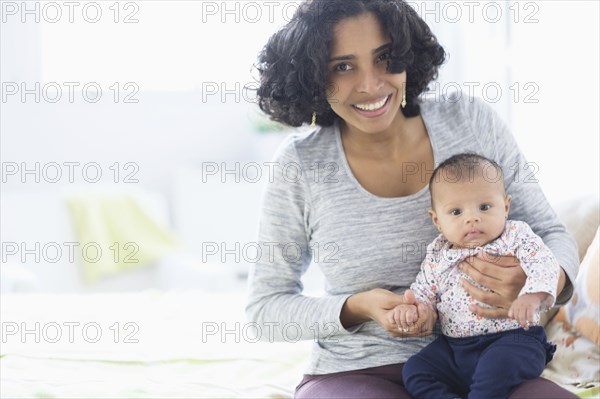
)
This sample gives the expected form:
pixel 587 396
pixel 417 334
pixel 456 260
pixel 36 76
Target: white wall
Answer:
pixel 544 55
pixel 561 132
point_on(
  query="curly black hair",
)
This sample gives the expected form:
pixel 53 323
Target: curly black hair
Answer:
pixel 293 64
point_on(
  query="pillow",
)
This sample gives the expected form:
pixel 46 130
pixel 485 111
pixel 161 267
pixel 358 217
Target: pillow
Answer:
pixel 583 310
pixel 576 328
pixel 581 218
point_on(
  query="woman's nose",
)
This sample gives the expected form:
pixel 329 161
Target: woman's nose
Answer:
pixel 369 81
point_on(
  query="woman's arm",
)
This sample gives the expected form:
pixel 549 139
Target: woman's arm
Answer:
pixel 275 300
pixel 377 303
pixel 355 311
pixel 504 276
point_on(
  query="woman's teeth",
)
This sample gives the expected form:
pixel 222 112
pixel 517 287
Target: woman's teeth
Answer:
pixel 372 107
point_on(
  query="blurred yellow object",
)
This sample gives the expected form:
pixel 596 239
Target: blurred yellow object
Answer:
pixel 115 233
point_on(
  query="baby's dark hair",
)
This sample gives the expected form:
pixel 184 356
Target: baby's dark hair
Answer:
pixel 463 167
pixel 293 64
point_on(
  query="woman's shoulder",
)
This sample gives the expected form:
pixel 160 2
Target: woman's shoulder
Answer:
pixel 460 117
pixel 449 119
pixel 308 146
pixel 456 105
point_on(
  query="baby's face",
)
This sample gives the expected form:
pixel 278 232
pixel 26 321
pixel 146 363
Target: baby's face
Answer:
pixel 470 213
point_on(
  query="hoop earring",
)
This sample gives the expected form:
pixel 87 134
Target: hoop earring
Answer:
pixel 404 100
pixel 314 120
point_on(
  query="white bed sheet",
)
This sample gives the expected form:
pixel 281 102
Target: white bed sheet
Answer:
pixel 182 350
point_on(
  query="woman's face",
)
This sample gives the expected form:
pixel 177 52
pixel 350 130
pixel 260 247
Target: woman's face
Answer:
pixel 360 90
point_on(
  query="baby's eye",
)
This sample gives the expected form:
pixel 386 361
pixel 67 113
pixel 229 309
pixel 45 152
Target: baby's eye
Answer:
pixel 455 212
pixel 485 207
pixel 342 67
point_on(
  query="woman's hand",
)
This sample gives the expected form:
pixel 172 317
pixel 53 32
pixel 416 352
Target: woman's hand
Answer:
pixel 376 305
pixel 501 274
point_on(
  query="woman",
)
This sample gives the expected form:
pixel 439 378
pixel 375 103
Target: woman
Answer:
pixel 352 195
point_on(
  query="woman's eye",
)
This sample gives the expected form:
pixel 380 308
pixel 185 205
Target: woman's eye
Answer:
pixel 384 57
pixel 485 207
pixel 455 212
pixel 342 67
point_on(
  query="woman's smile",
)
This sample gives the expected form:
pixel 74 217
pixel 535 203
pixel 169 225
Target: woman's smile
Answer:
pixel 373 109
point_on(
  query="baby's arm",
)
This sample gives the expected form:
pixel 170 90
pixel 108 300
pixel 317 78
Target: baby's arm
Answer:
pixel 419 315
pixel 542 269
pixel 419 308
pixel 526 308
pixel 405 316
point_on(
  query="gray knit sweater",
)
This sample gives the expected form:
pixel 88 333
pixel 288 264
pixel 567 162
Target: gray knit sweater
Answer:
pixel 315 213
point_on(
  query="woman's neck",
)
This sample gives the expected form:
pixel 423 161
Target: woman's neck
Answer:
pixel 390 144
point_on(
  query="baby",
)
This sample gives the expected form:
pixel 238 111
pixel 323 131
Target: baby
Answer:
pixel 484 358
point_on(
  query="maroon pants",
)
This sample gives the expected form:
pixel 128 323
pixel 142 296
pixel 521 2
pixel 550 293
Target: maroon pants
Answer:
pixel 386 382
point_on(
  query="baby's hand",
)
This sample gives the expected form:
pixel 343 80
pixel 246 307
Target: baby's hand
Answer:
pixel 404 316
pixel 526 308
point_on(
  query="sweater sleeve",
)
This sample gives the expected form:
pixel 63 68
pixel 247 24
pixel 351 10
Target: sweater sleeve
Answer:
pixel 275 301
pixel 529 203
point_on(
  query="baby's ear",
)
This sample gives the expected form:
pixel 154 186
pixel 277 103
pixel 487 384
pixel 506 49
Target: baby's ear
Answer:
pixel 507 203
pixel 433 216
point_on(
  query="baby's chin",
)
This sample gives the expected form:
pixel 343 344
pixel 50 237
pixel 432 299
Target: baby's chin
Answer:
pixel 466 245
pixel 472 241
pixel 471 244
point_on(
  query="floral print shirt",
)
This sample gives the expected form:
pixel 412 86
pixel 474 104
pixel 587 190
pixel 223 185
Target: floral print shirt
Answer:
pixel 438 282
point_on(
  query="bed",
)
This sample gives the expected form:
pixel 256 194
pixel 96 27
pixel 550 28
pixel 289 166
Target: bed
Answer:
pixel 149 344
